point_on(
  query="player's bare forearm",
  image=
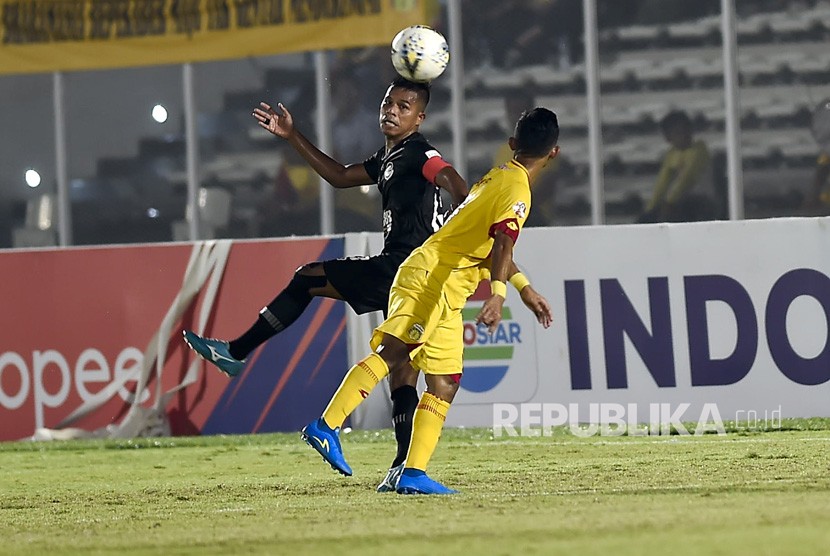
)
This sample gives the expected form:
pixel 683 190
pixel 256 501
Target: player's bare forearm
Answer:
pixel 451 181
pixel 501 258
pixel 532 299
pixel 336 174
pixel 281 124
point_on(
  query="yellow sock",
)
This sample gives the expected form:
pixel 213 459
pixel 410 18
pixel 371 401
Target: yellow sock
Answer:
pixel 426 430
pixel 358 382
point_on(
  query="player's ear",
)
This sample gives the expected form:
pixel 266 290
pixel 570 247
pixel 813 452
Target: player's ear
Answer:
pixel 511 141
pixel 554 152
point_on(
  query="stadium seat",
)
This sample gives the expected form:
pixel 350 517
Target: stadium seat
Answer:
pixel 546 76
pixel 779 109
pixel 789 23
pixel 696 30
pixel 704 68
pixel 638 33
pixel 617 117
pixel 654 74
pixel 803 148
pixel 813 64
pixel 752 26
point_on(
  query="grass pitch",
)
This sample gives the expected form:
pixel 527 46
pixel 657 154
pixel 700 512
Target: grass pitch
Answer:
pixel 744 493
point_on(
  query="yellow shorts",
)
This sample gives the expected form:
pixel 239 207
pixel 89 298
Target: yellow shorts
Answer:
pixel 421 316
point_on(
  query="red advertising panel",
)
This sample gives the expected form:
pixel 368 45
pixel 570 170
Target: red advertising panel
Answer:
pixel 75 320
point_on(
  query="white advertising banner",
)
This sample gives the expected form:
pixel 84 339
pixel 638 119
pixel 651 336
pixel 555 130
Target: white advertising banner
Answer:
pixel 655 323
pixel 681 318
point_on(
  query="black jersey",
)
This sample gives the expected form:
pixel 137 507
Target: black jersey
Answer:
pixel 412 209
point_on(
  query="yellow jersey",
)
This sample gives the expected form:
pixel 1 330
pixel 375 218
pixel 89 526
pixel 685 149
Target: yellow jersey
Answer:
pixel 454 255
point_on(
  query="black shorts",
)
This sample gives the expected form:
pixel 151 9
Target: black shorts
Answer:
pixel 364 282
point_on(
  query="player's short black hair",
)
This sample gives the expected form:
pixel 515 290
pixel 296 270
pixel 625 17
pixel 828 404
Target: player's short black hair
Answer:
pixel 675 119
pixel 421 89
pixel 537 132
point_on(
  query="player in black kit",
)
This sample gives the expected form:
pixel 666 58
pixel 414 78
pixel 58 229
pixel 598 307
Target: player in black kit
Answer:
pixel 408 172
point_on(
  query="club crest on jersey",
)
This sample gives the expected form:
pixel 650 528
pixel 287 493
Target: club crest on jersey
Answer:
pixel 415 332
pixel 388 171
pixel 520 209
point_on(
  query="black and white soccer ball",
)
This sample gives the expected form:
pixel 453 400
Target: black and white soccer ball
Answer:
pixel 420 53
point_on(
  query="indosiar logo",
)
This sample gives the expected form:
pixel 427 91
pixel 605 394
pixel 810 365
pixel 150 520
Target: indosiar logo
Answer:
pixel 487 357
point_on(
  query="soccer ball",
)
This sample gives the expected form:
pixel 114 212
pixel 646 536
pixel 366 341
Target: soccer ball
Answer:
pixel 420 53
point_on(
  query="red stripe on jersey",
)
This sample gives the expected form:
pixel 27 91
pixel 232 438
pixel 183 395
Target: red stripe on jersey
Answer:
pixel 432 166
pixel 509 227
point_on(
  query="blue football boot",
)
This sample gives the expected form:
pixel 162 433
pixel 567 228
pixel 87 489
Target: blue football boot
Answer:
pixel 415 481
pixel 214 351
pixel 326 441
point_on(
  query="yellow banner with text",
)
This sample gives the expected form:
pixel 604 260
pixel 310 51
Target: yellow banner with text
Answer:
pixel 66 35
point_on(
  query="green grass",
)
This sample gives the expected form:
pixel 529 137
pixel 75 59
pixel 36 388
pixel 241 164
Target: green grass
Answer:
pixel 744 493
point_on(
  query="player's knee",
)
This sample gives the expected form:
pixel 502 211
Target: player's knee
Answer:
pixel 403 375
pixel 305 278
pixel 394 354
pixel 443 387
pixel 450 390
pixel 311 269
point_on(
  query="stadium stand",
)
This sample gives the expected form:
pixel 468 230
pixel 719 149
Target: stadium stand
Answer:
pixel 646 71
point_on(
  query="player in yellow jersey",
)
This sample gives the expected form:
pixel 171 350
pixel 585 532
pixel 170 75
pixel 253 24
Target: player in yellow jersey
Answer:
pixel 544 188
pixel 424 325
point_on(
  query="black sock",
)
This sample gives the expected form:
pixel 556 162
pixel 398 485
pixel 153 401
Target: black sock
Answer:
pixel 277 315
pixel 255 336
pixel 404 402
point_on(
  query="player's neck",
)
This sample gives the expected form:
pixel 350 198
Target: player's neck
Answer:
pixel 392 142
pixel 532 165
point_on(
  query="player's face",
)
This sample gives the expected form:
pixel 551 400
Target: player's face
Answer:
pixel 400 112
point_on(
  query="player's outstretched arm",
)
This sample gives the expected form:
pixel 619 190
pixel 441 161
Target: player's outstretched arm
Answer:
pixel 538 305
pixel 500 264
pixel 451 181
pixel 282 125
pixel 534 301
